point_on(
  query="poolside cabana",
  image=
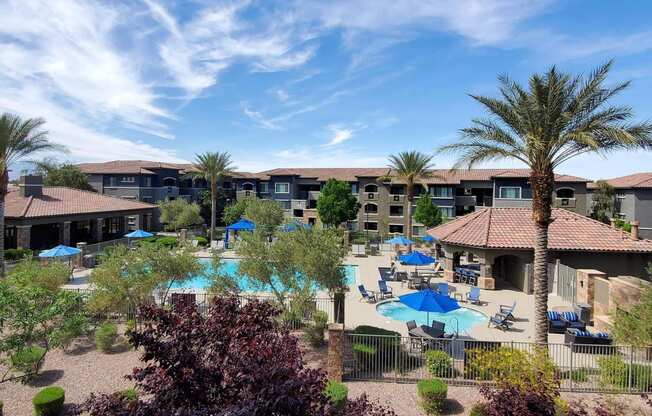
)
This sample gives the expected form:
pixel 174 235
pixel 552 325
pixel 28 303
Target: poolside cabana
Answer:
pixel 241 225
pixel 500 243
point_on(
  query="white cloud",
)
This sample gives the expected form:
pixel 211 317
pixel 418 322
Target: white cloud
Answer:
pixel 340 136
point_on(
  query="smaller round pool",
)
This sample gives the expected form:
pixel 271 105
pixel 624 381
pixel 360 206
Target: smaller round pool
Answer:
pixel 464 317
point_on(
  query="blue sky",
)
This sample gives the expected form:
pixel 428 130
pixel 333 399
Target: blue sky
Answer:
pixel 300 83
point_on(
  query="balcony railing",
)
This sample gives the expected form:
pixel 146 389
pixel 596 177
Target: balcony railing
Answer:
pixel 299 204
pixel 314 195
pixel 565 202
pixel 465 200
pixel 245 194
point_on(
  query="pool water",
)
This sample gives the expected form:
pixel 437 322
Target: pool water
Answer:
pixel 229 267
pixel 464 317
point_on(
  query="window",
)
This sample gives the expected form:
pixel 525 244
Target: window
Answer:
pixel 297 213
pixel 370 208
pixel 371 226
pixel 148 181
pixel 264 187
pixel 371 188
pixel 441 191
pixel 510 192
pixel 396 228
pixel 448 212
pixel 397 190
pixel 282 188
pixel 128 179
pixel 284 203
pixel 354 188
pixel 169 181
pixel 565 193
pixel 395 210
pixel 226 185
pixel 247 186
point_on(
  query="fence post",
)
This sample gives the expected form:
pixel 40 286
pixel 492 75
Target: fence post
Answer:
pixel 570 375
pixel 631 367
pixel 334 369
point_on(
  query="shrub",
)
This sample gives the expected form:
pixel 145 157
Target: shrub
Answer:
pixel 105 337
pixel 128 395
pixel 614 372
pixel 13 254
pixel 511 400
pixel 337 394
pixel 478 409
pixel 432 394
pixel 372 330
pixel 314 333
pixel 49 401
pixel 579 375
pixel 27 361
pixel 201 241
pixel 439 363
pixel 365 355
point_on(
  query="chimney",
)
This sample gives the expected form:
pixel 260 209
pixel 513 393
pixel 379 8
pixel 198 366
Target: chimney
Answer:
pixel 635 225
pixel 613 222
pixel 31 185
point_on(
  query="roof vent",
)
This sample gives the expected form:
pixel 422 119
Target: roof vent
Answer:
pixel 31 185
pixel 635 224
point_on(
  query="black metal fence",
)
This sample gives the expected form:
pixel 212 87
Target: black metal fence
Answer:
pixel 579 367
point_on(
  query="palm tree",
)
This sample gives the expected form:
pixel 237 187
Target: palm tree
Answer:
pixel 18 138
pixel 410 166
pixel 212 166
pixel 557 118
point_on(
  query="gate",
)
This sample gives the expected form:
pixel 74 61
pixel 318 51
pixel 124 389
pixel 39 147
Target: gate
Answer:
pixel 566 283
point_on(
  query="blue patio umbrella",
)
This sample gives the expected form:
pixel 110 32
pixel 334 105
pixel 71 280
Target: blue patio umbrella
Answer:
pixel 427 300
pixel 139 234
pixel 428 238
pixel 416 258
pixel 59 251
pixel 240 225
pixel 399 239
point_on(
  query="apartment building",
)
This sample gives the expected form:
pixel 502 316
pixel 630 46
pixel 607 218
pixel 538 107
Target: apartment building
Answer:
pixel 384 205
pixel 633 200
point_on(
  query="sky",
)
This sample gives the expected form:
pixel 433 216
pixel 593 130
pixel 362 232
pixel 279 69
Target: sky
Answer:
pixel 302 83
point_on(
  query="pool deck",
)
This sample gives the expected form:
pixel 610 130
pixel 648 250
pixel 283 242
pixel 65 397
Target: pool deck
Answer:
pixel 359 312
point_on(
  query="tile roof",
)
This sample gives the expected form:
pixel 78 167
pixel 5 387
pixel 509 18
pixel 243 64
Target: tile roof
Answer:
pixel 513 228
pixel 636 180
pixel 65 201
pixel 144 167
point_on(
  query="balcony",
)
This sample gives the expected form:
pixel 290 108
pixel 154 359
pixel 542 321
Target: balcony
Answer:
pixel 314 195
pixel 298 204
pixel 396 198
pixel 465 200
pixel 565 203
pixel 370 196
pixel 239 195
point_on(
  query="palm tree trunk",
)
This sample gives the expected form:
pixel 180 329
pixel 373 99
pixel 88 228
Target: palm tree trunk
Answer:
pixel 542 189
pixel 213 208
pixel 4 180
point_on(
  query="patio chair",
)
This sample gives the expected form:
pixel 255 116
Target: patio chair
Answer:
pixel 508 311
pixel 386 273
pixel 572 320
pixel 442 288
pixel 369 296
pixel 473 295
pixel 555 324
pixel 438 329
pixel 385 291
pixel 411 325
pixel 500 321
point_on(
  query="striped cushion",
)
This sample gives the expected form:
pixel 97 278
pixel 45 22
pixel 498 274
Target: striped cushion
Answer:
pixel 553 315
pixel 601 335
pixel 579 333
pixel 569 316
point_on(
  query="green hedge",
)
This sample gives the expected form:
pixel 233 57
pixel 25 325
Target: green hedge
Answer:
pixel 433 395
pixel 13 254
pixel 160 241
pixel 105 337
pixel 373 330
pixel 49 401
pixel 337 394
pixel 614 372
pixel 439 363
pixel 201 241
pixel 28 360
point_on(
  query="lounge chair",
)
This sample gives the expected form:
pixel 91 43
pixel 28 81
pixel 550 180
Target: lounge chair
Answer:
pixel 555 323
pixel 500 321
pixel 387 273
pixel 385 291
pixel 369 296
pixel 508 311
pixel 411 325
pixel 473 295
pixel 442 288
pixel 572 320
pixel 438 329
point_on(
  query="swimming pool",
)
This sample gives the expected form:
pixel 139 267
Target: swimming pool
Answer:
pixel 230 267
pixel 464 317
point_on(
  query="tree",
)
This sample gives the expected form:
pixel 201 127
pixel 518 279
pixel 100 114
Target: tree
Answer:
pixel 213 166
pixel 410 167
pixel 206 206
pixel 336 204
pixel 18 139
pixel 235 210
pixel 62 174
pixel 35 312
pixel 634 327
pixel 179 213
pixel 427 213
pixel 558 118
pixel 603 202
pixel 266 214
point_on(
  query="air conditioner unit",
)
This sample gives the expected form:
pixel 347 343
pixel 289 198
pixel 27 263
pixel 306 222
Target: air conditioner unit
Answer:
pixel 467 191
